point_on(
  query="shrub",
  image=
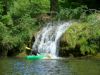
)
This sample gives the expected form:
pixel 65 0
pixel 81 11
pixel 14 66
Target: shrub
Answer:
pixel 69 13
pixel 16 36
pixel 86 35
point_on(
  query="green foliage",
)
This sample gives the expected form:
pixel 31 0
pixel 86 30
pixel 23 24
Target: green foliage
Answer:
pixel 12 36
pixel 32 7
pixel 18 23
pixel 86 35
pixel 3 29
pixel 20 8
pixel 41 6
pixel 17 26
pixel 68 13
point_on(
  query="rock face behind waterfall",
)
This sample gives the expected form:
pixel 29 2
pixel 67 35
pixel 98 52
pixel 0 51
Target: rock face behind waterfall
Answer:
pixel 47 40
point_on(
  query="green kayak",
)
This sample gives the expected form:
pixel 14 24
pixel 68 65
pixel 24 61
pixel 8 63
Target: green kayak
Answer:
pixel 35 57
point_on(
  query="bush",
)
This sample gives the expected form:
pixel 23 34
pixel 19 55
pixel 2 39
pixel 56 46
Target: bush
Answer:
pixel 86 35
pixel 68 13
pixel 16 36
pixel 18 25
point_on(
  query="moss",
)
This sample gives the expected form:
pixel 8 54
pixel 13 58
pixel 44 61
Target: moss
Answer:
pixel 82 37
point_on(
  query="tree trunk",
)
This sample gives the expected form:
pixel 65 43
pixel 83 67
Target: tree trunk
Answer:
pixel 5 5
pixel 53 6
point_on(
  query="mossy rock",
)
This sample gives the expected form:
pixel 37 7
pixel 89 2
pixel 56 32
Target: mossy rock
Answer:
pixel 83 34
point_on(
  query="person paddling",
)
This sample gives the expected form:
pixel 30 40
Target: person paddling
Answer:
pixel 34 52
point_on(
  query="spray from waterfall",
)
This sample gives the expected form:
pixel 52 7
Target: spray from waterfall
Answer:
pixel 47 40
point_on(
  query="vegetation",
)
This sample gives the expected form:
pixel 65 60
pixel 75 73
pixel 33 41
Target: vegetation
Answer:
pixel 70 13
pixel 20 19
pixel 16 27
pixel 82 37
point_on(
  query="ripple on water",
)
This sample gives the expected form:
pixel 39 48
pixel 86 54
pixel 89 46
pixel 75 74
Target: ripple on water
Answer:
pixel 48 67
pixel 34 67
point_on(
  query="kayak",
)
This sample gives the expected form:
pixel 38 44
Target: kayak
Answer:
pixel 35 57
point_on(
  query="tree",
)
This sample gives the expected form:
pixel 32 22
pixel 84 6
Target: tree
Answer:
pixel 53 5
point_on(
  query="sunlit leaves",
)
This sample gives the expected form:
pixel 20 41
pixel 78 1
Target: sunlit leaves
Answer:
pixel 86 35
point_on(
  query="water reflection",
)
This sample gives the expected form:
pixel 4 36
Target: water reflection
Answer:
pixel 35 67
pixel 85 67
pixel 49 67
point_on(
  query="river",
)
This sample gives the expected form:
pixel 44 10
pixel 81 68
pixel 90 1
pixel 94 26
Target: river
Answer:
pixel 19 66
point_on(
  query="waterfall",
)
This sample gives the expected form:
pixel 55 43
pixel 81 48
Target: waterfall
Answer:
pixel 47 40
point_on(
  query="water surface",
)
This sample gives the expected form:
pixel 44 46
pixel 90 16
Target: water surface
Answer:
pixel 16 66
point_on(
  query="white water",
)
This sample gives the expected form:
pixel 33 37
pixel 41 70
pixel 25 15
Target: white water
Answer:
pixel 47 40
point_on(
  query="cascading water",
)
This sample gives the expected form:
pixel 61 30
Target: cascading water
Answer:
pixel 48 38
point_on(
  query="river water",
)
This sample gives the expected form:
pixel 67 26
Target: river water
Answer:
pixel 18 66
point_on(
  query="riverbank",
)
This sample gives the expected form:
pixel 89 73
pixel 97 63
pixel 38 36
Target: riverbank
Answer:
pixel 96 56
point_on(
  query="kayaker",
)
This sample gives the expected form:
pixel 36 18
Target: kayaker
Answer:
pixel 35 52
pixel 28 48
